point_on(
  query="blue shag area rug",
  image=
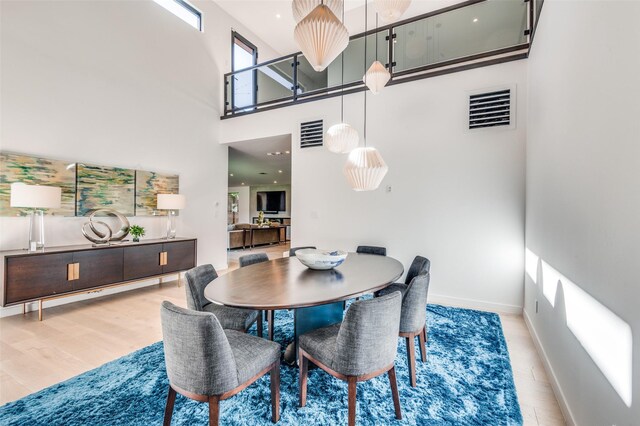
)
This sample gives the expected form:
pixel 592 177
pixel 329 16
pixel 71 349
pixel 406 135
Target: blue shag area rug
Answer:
pixel 467 380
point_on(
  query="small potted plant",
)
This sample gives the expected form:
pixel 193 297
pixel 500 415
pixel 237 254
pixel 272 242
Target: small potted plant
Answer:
pixel 137 232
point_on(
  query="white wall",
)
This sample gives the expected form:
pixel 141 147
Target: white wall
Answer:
pixel 583 205
pixel 244 203
pixel 456 196
pixel 120 83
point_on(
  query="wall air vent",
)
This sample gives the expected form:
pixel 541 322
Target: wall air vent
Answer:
pixel 491 109
pixel 311 134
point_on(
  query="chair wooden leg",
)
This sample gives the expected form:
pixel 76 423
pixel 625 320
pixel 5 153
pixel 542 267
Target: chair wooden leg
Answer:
pixel 168 410
pixel 352 381
pixel 259 323
pixel 214 410
pixel 394 392
pixel 270 324
pixel 304 365
pixel 275 393
pixel 411 358
pixel 422 337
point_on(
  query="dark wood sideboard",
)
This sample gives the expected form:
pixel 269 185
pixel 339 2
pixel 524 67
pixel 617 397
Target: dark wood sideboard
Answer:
pixel 68 270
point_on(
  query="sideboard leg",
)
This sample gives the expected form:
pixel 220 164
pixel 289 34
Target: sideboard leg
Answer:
pixel 24 308
pixel 40 310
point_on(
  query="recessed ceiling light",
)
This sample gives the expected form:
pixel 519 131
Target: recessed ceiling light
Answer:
pixel 475 19
pixel 242 183
pixel 275 181
pixel 269 153
pixel 278 16
pixel 231 174
pixel 287 152
pixel 279 171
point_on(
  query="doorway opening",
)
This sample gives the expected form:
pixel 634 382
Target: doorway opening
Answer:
pixel 259 199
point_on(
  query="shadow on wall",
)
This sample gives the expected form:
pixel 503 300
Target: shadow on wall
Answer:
pixel 605 336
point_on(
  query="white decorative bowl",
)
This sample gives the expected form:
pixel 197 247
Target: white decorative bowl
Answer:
pixel 321 259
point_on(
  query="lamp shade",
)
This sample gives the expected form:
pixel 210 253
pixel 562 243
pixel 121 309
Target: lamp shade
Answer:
pixel 35 196
pixel 391 10
pixel 321 37
pixel 171 201
pixel 341 138
pixel 376 77
pixel 365 169
pixel 302 8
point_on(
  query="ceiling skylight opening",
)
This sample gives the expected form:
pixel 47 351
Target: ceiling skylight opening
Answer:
pixel 184 11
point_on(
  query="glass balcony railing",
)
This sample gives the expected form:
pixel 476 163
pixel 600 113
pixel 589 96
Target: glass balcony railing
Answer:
pixel 474 32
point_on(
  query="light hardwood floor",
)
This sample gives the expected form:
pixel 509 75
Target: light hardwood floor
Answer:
pixel 77 337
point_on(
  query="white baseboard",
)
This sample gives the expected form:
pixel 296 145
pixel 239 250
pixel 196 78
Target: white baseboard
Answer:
pixel 555 385
pixel 33 306
pixel 474 304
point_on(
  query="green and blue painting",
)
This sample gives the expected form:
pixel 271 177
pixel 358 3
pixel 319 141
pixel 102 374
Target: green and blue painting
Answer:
pixel 104 187
pixel 148 186
pixel 36 171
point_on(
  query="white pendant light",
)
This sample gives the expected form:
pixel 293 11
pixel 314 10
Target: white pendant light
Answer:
pixel 321 37
pixel 365 169
pixel 341 138
pixel 302 8
pixel 391 10
pixel 376 77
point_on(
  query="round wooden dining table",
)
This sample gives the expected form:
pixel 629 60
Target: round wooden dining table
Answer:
pixel 317 297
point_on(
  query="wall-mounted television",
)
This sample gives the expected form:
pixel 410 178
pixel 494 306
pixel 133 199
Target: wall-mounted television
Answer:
pixel 271 201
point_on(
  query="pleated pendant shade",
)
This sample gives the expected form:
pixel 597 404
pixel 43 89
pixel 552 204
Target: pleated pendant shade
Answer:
pixel 391 10
pixel 376 77
pixel 302 8
pixel 321 37
pixel 365 169
pixel 341 138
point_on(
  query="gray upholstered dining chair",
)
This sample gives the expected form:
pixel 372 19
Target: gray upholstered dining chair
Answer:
pixel 414 317
pixel 252 259
pixel 293 250
pixel 360 348
pixel 209 364
pixel 230 318
pixel 420 265
pixel 380 251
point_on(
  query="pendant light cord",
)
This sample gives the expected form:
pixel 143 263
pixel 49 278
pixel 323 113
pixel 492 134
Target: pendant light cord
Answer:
pixel 366 19
pixel 342 73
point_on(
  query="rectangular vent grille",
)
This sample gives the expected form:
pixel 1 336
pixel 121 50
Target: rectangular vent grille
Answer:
pixel 311 134
pixel 490 109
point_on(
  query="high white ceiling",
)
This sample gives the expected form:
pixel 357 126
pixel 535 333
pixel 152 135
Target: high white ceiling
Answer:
pixel 261 17
pixel 250 164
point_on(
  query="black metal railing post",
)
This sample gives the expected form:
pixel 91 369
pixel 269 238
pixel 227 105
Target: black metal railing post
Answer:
pixel 295 77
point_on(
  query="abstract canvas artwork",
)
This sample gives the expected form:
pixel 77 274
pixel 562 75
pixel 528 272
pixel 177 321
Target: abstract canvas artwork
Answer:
pixel 104 187
pixel 148 186
pixel 36 171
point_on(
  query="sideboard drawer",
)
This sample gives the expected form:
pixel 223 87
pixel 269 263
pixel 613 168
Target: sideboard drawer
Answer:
pixel 98 267
pixel 180 256
pixel 33 277
pixel 142 261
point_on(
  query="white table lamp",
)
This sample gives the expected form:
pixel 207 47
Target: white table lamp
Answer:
pixel 36 197
pixel 171 202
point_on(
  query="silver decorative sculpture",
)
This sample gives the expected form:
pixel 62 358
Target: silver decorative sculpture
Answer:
pixel 106 237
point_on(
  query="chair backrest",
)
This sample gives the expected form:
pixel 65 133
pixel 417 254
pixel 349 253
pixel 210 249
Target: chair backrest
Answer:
pixel 197 280
pixel 380 251
pixel 420 265
pixel 250 259
pixel 368 337
pixel 414 304
pixel 293 250
pixel 197 354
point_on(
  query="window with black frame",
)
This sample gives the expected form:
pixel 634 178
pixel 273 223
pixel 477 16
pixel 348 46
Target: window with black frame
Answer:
pixel 244 54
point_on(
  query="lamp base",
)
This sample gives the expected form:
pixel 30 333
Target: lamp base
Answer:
pixel 171 224
pixel 36 231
